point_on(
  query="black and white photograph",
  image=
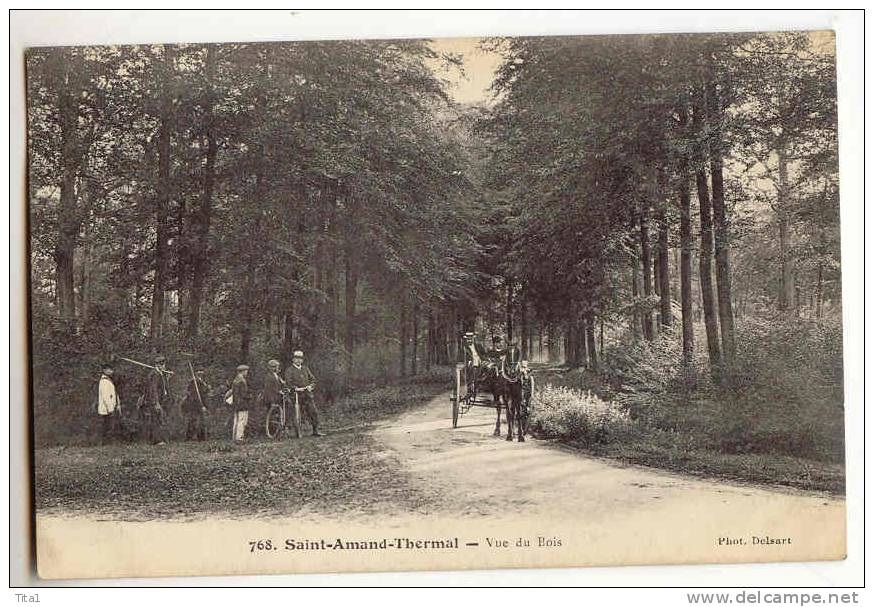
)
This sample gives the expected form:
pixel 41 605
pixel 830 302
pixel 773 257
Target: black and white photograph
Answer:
pixel 361 305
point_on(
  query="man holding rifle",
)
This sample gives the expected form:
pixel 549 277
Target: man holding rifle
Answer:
pixel 299 378
pixel 194 405
pixel 156 398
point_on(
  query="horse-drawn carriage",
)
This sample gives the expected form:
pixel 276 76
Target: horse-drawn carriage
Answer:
pixel 498 379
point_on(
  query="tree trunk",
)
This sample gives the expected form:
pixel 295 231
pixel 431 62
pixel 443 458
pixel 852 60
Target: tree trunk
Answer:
pixel 799 295
pixel 260 154
pixel 646 258
pixel 656 287
pixel 87 273
pixel 686 246
pixel 601 336
pixel 787 263
pixel 159 286
pixel 706 249
pixel 331 277
pixel 509 310
pixel 290 333
pixel 582 341
pixel 414 366
pixel 590 342
pixel 246 328
pixel 524 332
pixel 635 294
pixel 403 340
pixel 204 211
pixel 571 351
pixel 664 273
pixel 429 353
pixel 69 214
pixel 568 355
pixel 720 226
pixel 554 346
pixel 351 303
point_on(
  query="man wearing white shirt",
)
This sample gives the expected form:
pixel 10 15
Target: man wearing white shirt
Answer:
pixel 107 403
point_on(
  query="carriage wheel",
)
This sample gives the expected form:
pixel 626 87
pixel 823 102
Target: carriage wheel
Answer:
pixel 456 397
pixel 275 422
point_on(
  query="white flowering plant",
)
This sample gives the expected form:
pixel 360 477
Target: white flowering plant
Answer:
pixel 570 414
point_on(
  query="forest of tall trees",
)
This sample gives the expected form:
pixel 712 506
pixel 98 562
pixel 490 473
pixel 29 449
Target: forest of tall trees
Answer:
pixel 649 181
pixel 234 202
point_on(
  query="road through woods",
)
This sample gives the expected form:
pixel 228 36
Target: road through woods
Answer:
pixel 477 474
pixel 506 504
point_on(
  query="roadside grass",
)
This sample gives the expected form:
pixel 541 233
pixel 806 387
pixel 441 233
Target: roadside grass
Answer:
pixel 656 450
pixel 693 443
pixel 343 472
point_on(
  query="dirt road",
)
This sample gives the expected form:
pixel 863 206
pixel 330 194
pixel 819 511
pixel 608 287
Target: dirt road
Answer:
pixel 497 504
pixel 478 474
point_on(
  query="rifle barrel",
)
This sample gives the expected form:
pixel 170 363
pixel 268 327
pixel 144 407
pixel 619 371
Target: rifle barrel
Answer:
pixel 136 362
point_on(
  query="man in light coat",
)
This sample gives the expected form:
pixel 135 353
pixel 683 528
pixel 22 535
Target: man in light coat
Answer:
pixel 108 405
pixel 241 401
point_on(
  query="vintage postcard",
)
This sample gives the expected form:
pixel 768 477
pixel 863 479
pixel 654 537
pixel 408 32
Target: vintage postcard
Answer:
pixel 391 305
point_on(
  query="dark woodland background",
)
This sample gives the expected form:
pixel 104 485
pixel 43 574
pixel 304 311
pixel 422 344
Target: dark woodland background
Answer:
pixel 658 212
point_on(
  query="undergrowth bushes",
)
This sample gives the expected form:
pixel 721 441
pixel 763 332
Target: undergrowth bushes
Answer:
pixel 782 396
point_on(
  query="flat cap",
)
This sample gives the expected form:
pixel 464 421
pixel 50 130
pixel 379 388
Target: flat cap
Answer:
pixel 297 354
pixel 242 367
pixel 272 363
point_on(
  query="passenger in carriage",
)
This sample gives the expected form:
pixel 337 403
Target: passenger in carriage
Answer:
pixel 491 359
pixel 498 350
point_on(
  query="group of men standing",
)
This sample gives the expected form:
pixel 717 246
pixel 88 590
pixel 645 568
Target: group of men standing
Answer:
pixel 240 396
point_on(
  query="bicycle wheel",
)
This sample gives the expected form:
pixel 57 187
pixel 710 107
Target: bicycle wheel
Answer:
pixel 275 423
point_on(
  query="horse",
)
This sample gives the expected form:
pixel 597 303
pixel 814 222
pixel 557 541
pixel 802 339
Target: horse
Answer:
pixel 487 377
pixel 512 380
pixel 490 381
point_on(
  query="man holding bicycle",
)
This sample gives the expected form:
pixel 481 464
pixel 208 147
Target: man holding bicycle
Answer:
pixel 299 378
pixel 271 393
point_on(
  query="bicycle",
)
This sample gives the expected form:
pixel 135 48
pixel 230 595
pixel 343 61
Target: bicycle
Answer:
pixel 275 423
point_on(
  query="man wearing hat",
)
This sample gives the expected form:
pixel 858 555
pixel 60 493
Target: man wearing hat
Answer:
pixel 493 357
pixel 152 408
pixel 299 377
pixel 194 406
pixel 108 405
pixel 498 349
pixel 241 398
